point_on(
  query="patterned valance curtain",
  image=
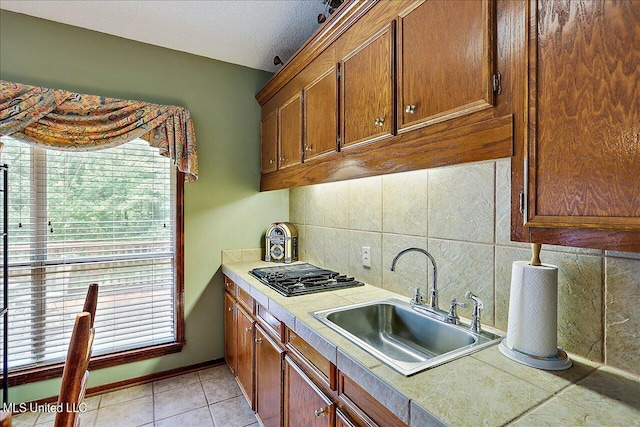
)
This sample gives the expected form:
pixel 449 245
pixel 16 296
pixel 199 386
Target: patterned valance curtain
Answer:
pixel 71 121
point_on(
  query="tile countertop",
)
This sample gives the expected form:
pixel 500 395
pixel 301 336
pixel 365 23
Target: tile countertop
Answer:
pixel 484 388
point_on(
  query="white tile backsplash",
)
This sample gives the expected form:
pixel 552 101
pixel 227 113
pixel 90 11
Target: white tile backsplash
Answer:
pixel 365 204
pixel 405 203
pixel 462 203
pixel 314 205
pixel 461 214
pixel 336 214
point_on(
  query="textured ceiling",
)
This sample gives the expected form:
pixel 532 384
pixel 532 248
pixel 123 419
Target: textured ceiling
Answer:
pixel 245 32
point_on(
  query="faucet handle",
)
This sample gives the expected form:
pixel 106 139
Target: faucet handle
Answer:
pixel 418 298
pixel 452 317
pixel 475 316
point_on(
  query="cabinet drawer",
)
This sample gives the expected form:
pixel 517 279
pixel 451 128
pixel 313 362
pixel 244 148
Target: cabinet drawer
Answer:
pixel 274 326
pixel 230 286
pixel 324 368
pixel 246 300
pixel 361 406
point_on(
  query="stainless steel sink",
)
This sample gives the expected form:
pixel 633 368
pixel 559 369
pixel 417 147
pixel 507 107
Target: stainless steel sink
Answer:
pixel 401 337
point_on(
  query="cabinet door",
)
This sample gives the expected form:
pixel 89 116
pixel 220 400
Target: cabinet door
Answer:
pixel 230 331
pixel 269 137
pixel 244 370
pixel 584 148
pixel 367 90
pixel 305 403
pixel 342 420
pixel 269 400
pixel 321 115
pixel 445 61
pixel 290 132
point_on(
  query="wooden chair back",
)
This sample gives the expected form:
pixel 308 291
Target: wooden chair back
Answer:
pixel 91 301
pixel 75 373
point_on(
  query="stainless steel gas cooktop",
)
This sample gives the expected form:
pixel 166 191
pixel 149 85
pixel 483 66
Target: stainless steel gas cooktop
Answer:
pixel 301 279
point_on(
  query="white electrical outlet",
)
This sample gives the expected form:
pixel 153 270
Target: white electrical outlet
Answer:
pixel 366 256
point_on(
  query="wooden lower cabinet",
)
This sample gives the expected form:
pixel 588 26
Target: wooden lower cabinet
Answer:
pixel 342 420
pixel 244 358
pixel 269 357
pixel 230 331
pixel 287 381
pixel 361 408
pixel 304 403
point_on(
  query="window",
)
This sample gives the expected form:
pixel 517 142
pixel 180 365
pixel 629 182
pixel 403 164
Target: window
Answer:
pixel 106 217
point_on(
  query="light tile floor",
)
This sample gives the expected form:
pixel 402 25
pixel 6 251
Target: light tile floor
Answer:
pixel 207 398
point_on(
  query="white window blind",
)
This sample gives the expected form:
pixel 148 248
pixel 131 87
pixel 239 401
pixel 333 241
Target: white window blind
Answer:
pixel 77 218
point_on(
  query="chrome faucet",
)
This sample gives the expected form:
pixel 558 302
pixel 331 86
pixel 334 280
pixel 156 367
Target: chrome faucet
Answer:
pixel 433 293
pixel 475 316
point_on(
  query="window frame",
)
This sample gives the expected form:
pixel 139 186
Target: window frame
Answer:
pixel 51 371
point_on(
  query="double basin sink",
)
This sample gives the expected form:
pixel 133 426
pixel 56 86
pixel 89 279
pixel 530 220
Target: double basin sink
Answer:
pixel 401 337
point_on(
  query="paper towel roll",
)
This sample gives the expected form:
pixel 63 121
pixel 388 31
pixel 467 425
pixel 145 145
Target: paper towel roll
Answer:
pixel 532 325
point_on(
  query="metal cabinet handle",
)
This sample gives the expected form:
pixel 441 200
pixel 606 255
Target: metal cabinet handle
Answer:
pixel 319 412
pixel 258 340
pixel 379 122
pixel 410 109
pixel 230 309
pixel 247 329
pixel 271 161
pixel 282 159
pixel 308 148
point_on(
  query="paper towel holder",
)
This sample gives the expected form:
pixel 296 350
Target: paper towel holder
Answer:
pixel 557 362
pixel 535 254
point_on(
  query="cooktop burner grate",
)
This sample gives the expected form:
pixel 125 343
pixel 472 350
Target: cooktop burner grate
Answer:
pixel 302 279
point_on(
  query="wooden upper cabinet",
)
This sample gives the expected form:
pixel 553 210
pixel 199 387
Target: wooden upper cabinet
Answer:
pixel 445 61
pixel 584 115
pixel 290 132
pixel 321 114
pixel 374 59
pixel 269 138
pixel 368 111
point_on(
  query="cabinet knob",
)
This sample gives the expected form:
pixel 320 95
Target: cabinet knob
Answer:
pixel 319 412
pixel 410 109
pixel 247 329
pixel 379 122
pixel 271 161
pixel 282 159
pixel 258 340
pixel 308 148
pixel 230 309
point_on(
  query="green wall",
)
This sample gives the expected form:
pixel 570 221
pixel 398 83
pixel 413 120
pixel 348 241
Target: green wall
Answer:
pixel 223 209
